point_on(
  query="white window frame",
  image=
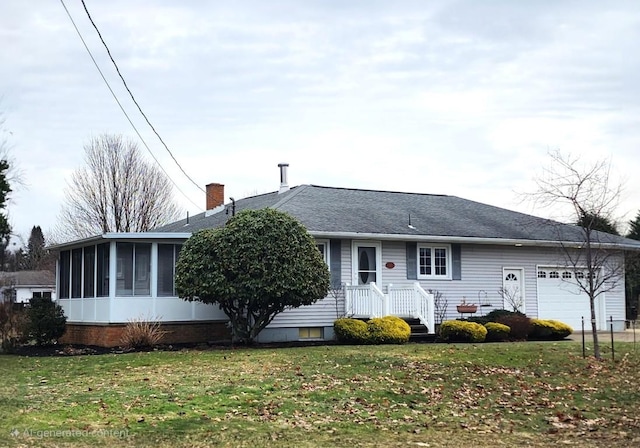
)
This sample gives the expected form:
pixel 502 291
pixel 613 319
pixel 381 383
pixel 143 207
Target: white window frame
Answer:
pixel 432 247
pixel 327 255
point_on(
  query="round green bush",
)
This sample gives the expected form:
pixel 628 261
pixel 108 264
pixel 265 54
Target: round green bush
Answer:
pixel 351 331
pixel 388 330
pixel 546 329
pixel 497 332
pixel 460 331
pixel 46 320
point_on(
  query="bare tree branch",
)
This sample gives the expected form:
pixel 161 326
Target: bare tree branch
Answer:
pixel 588 190
pixel 116 191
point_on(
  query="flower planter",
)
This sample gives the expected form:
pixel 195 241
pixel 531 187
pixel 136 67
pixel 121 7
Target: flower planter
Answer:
pixel 467 309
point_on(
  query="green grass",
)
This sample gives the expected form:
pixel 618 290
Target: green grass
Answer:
pixel 535 394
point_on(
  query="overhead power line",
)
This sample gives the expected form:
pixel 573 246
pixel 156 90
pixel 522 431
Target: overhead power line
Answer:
pixel 121 107
pixel 134 99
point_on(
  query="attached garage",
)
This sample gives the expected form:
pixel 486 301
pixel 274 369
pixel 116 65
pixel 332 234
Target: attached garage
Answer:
pixel 560 298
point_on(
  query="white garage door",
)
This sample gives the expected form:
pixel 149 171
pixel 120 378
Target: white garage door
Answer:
pixel 560 298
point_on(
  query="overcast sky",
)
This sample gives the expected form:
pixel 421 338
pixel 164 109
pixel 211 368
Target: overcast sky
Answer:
pixel 450 97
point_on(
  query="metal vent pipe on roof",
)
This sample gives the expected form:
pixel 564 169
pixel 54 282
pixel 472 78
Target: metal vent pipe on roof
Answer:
pixel 284 177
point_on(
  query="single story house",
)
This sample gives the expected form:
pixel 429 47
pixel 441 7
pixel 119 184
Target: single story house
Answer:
pixel 21 286
pixel 388 253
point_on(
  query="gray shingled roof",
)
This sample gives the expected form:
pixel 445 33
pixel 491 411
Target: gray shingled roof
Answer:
pixel 28 278
pixel 352 211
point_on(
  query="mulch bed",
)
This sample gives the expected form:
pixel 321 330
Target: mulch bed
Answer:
pixel 78 350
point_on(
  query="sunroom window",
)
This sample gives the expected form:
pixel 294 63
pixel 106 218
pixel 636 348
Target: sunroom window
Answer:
pixel 76 273
pixel 102 270
pixel 88 269
pixel 84 272
pixel 63 274
pixel 133 269
pixel 167 257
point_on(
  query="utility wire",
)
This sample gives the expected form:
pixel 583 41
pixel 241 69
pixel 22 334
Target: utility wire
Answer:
pixel 120 105
pixel 134 99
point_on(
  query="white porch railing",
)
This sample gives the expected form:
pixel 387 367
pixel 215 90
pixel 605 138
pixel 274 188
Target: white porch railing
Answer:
pixel 367 301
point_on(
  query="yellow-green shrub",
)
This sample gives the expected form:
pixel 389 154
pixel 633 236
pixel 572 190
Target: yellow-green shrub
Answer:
pixel 497 332
pixel 388 330
pixel 381 330
pixel 351 331
pixel 460 331
pixel 549 329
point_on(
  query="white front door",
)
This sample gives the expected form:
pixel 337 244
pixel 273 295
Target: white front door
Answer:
pixel 513 289
pixel 367 259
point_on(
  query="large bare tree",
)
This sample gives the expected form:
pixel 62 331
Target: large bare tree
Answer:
pixel 588 191
pixel 116 191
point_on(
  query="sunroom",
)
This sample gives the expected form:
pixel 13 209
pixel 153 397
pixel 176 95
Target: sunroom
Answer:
pixel 114 278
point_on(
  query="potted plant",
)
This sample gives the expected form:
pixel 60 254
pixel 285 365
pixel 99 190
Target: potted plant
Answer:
pixel 465 307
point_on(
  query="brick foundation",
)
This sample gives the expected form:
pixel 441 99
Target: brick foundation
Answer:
pixel 109 335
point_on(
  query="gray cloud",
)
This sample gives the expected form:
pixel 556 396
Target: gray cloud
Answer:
pixel 459 97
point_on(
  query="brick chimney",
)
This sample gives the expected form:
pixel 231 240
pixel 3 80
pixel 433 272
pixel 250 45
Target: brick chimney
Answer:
pixel 215 196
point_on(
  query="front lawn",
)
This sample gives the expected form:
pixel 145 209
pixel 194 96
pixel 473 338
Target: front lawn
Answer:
pixel 534 394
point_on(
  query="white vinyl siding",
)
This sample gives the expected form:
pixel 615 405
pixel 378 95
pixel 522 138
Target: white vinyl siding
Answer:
pixel 482 270
pixel 325 311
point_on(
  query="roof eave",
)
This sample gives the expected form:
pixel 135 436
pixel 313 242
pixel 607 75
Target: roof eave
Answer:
pixel 463 239
pixel 111 236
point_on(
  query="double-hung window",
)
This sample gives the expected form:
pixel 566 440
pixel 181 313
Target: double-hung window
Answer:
pixel 434 262
pixel 323 248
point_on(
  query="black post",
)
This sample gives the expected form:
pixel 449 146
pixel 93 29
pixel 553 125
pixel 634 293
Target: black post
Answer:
pixel 613 353
pixel 634 334
pixel 584 352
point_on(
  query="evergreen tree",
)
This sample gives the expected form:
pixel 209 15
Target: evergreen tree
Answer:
pixel 634 231
pixel 632 279
pixel 46 320
pixel 5 189
pixel 36 257
pixel 595 222
pixel 13 259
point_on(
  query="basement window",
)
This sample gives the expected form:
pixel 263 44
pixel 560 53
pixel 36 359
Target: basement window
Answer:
pixel 311 333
